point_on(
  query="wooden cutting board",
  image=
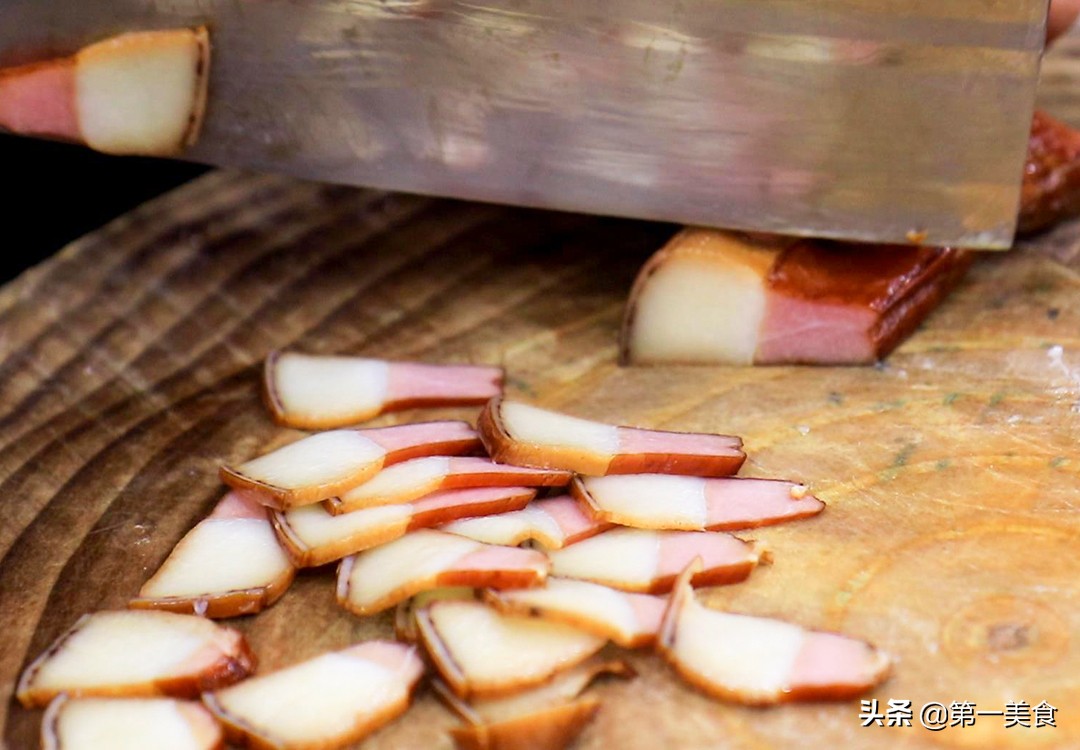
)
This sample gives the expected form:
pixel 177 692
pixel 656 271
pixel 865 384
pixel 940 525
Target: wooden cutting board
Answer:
pixel 130 372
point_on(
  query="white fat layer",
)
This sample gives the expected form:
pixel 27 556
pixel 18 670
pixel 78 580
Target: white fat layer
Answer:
pixel 651 501
pixel 404 479
pixel 316 460
pixel 556 692
pixel 124 648
pixel 629 556
pixel 507 528
pixel 316 528
pixel 529 424
pixel 218 556
pixel 330 387
pixel 322 698
pixel 588 601
pixel 132 724
pixel 496 650
pixel 752 655
pixel 418 556
pixel 135 94
pixel 700 308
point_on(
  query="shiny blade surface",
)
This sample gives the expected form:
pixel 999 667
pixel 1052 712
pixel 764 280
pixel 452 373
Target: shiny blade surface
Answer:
pixel 864 119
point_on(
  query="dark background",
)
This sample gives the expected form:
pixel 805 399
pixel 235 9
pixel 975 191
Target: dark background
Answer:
pixel 57 192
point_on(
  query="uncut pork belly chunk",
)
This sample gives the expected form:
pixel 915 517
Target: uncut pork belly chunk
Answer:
pixel 552 522
pixel 230 564
pixel 326 464
pixel 132 653
pixel 322 392
pixel 129 724
pixel 139 93
pixel 312 537
pixel 660 501
pixel 627 619
pixel 757 660
pixel 423 560
pixel 648 562
pixel 518 433
pixel 714 297
pixel 414 479
pixel 481 653
pixel 326 702
pixel 1051 188
pixel 548 717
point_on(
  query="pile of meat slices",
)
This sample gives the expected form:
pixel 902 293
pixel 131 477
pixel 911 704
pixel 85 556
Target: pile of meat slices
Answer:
pixel 429 518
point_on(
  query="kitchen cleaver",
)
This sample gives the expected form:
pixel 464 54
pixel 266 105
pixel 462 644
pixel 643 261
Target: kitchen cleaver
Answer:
pixel 880 120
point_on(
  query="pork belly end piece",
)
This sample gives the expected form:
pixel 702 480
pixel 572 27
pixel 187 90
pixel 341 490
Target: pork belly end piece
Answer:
pixel 757 660
pixel 129 724
pixel 660 501
pixel 1050 191
pixel 482 653
pixel 325 702
pixel 423 560
pixel 230 564
pixel 137 653
pixel 713 297
pixel 326 464
pixel 322 392
pixel 139 93
pixel 525 435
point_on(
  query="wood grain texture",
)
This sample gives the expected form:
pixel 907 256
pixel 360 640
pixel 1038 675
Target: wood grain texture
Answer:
pixel 130 371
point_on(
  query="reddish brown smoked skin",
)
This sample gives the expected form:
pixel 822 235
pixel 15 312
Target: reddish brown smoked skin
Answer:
pixel 1051 187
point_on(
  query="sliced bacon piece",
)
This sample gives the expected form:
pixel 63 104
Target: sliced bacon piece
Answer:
pixel 128 724
pixel 405 612
pixel 481 653
pixel 660 501
pixel 326 464
pixel 553 522
pixel 757 660
pixel 132 653
pixel 548 717
pixel 313 537
pixel 380 578
pixel 325 702
pixel 648 562
pixel 230 564
pixel 321 392
pixel 630 620
pixel 712 297
pixel 139 93
pixel 422 476
pixel 517 433
pixel 1051 188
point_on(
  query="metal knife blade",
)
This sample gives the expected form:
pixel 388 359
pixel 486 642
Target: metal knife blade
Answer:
pixel 874 120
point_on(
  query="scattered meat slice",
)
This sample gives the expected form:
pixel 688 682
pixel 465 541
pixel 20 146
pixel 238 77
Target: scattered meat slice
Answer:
pixel 312 536
pixel 321 392
pixel 630 620
pixel 139 93
pixel 518 433
pixel 230 564
pixel 380 578
pixel 648 562
pixel 756 660
pixel 325 702
pixel 481 653
pixel 660 501
pixel 326 464
pixel 405 612
pixel 1051 187
pixel 133 653
pixel 712 297
pixel 553 522
pixel 548 717
pixel 128 724
pixel 422 476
